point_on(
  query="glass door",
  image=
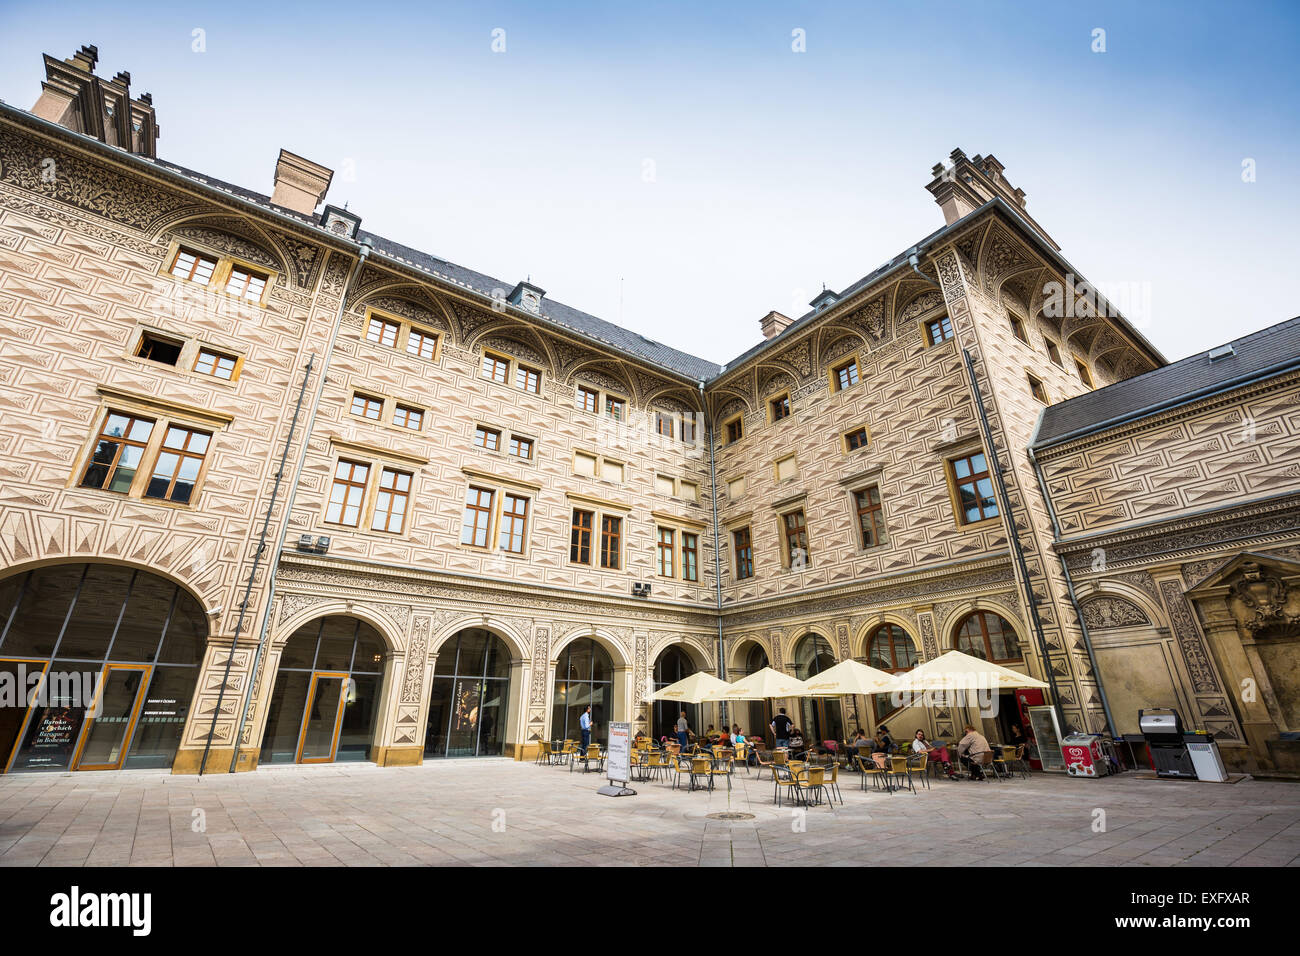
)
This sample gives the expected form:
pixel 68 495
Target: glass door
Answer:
pixel 24 677
pixel 117 706
pixel 320 722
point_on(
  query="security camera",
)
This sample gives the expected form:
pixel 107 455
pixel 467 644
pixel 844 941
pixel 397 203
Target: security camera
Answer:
pixel 216 610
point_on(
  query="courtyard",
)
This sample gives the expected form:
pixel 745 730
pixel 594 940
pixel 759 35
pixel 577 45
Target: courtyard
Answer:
pixel 496 812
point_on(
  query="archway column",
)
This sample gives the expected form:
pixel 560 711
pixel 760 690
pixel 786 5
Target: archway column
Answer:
pixel 1245 676
pixel 222 694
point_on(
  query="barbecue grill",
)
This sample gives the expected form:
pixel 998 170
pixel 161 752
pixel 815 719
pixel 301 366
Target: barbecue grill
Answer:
pixel 1163 730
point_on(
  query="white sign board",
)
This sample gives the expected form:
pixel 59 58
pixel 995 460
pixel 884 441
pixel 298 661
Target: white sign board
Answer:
pixel 618 760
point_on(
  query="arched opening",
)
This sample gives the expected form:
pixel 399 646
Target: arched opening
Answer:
pixel 821 716
pixel 470 697
pixel 102 661
pixel 584 675
pixel 890 649
pixel 673 665
pixel 989 637
pixel 325 702
pixel 754 716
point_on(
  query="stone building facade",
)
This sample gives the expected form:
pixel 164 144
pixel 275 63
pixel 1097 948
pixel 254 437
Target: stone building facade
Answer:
pixel 293 491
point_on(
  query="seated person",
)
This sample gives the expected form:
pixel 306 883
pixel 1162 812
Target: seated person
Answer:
pixel 971 750
pixel 796 740
pixel 736 736
pixel 937 752
pixel 724 738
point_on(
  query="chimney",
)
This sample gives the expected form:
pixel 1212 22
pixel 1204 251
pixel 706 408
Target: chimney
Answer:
pixel 75 98
pixel 773 324
pixel 966 184
pixel 300 184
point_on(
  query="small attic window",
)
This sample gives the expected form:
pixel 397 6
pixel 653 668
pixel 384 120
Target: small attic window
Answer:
pixel 1222 352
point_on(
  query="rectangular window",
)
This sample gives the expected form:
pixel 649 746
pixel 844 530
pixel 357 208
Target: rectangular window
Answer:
pixel 406 417
pixel 787 468
pixel 246 284
pixel 348 491
pixel 846 375
pixel 521 447
pixel 664 424
pixel 1084 375
pixel 615 408
pixel 382 332
pixel 688 429
pixel 611 536
pixel 780 407
pixel 478 517
pixel 1018 328
pixel 690 556
pixel 118 450
pixel 796 538
pixel 423 344
pixel 155 348
pixel 744 554
pixel 735 430
pixel 1037 389
pixel 177 469
pixel 367 406
pixel 974 488
pixel 487 438
pixel 856 439
pixel 666 549
pixel 495 368
pixel 390 505
pixel 938 330
pixel 193 266
pixel 588 399
pixel 528 380
pixel 584 464
pixel 1054 352
pixel 215 364
pixel 871 519
pixel 580 537
pixel 514 519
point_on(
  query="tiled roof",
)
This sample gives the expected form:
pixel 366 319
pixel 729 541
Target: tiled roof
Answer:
pixel 1180 382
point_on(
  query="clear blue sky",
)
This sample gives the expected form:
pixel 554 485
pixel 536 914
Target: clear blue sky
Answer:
pixel 773 171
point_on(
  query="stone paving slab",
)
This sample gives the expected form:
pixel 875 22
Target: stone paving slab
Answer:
pixel 495 812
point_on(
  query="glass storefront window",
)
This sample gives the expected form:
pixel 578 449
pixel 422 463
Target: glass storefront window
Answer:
pixel 586 672
pixel 469 698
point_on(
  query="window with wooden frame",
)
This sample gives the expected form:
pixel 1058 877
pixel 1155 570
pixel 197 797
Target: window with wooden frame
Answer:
pixel 514 522
pixel 611 542
pixel 158 348
pixel 938 330
pixel 779 407
pixel 528 379
pixel 246 283
pixel 1084 375
pixel 615 408
pixel 383 331
pixel 858 438
pixel 496 368
pixel 664 424
pixel 391 502
pixel 845 375
pixel 794 529
pixel 521 447
pixel 118 450
pixel 367 406
pixel 734 430
pixel 588 399
pixel 348 493
pixel 421 343
pixel 217 364
pixel 1037 389
pixel 1054 352
pixel 580 536
pixel 180 460
pixel 487 438
pixel 743 548
pixel 973 487
pixel 477 523
pixel 871 517
pixel 690 556
pixel 989 637
pixel 889 649
pixel 405 416
pixel 193 266
pixel 689 429
pixel 667 548
pixel 1018 327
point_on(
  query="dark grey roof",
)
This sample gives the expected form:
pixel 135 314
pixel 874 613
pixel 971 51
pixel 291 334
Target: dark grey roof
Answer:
pixel 1267 350
pixel 558 313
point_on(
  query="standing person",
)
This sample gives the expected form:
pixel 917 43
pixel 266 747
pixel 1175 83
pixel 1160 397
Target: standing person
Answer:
pixel 683 732
pixel 781 729
pixel 971 750
pixel 585 723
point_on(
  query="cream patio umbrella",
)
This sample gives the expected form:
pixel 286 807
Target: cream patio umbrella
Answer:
pixel 849 677
pixel 691 690
pixel 955 671
pixel 760 685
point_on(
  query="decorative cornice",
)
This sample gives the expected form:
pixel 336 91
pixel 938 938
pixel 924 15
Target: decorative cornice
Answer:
pixel 378 451
pixel 165 405
pixel 484 475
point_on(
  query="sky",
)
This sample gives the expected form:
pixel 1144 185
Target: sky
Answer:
pixel 684 168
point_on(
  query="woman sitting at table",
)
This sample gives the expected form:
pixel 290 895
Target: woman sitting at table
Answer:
pixel 939 754
pixel 796 741
pixel 724 738
pixel 737 737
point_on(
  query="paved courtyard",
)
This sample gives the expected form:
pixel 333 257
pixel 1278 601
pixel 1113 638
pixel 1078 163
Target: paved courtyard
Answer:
pixel 497 812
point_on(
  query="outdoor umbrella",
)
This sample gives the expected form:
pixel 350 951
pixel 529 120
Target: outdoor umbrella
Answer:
pixel 956 671
pixel 691 690
pixel 760 686
pixel 849 677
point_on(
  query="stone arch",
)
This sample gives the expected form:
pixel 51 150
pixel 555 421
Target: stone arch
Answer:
pixel 740 649
pixel 947 628
pixel 700 655
pixel 232 235
pixel 407 301
pixel 825 631
pixel 519 649
pixel 619 655
pixel 186 584
pixel 294 621
pixel 860 642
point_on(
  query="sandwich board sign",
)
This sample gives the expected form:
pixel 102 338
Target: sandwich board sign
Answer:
pixel 618 760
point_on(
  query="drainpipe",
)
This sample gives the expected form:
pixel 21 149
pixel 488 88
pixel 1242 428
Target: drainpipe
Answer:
pixel 717 551
pixel 1005 504
pixel 1111 726
pixel 364 250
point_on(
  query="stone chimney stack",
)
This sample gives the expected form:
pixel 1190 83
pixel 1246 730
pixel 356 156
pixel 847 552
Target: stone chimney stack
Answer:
pixel 773 324
pixel 300 184
pixel 966 184
pixel 74 97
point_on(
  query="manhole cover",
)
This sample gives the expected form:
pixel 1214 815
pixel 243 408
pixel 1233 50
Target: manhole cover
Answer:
pixel 730 816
